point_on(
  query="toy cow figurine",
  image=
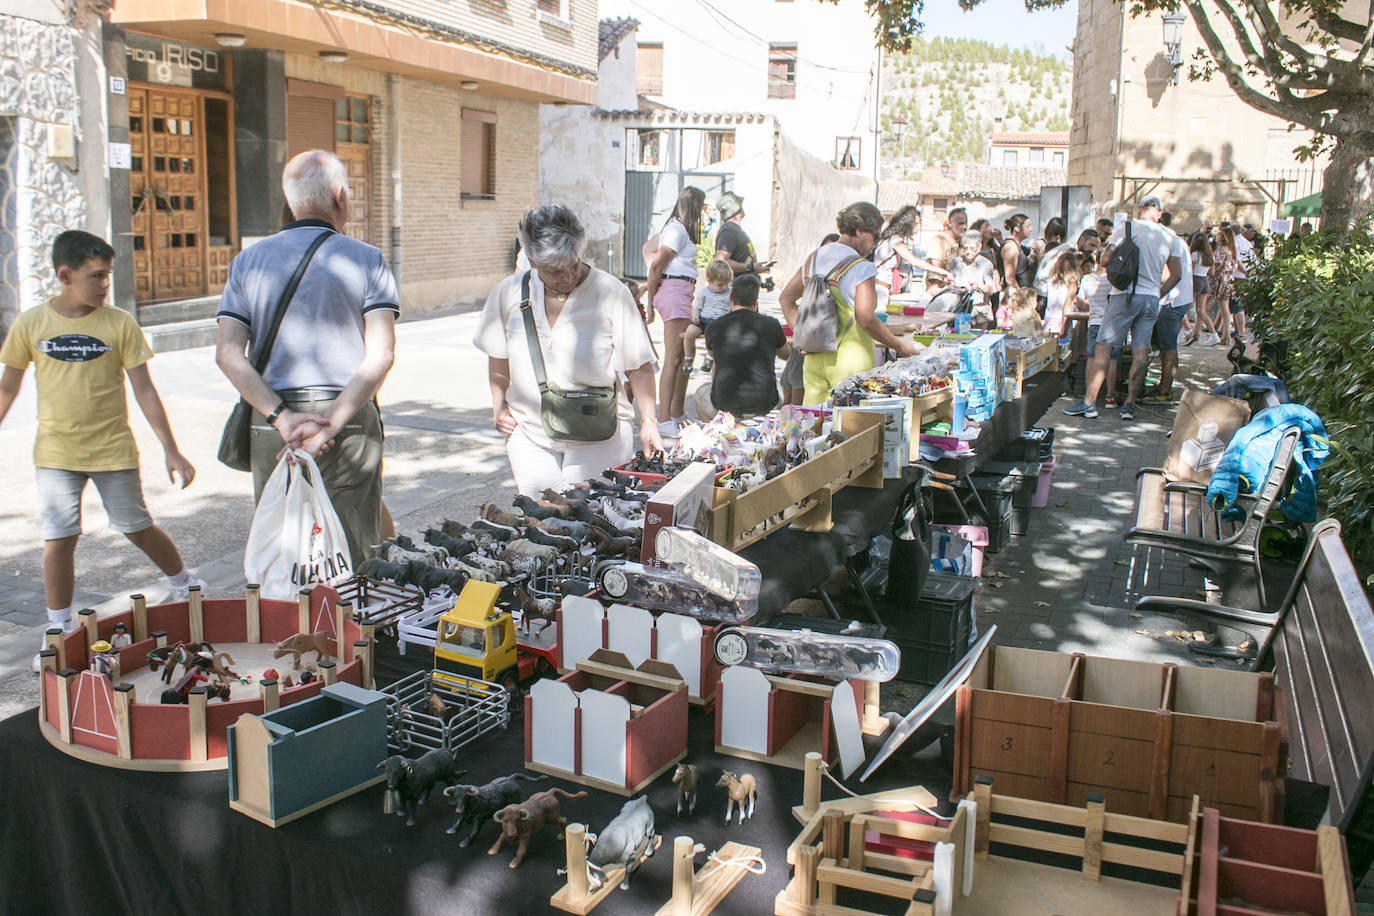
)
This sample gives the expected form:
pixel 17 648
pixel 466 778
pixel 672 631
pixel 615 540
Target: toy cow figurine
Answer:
pixel 740 791
pixel 301 643
pixel 522 821
pixel 409 782
pixel 627 841
pixel 686 776
pixel 474 804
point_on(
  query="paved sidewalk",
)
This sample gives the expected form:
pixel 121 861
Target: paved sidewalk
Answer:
pixel 1070 584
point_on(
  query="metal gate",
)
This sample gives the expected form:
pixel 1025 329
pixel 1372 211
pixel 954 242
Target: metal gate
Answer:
pixel 649 200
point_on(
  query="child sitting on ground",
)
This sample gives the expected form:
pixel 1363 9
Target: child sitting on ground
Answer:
pixel 711 303
pixel 81 352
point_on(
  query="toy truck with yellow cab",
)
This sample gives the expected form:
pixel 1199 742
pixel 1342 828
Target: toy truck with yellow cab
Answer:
pixel 477 638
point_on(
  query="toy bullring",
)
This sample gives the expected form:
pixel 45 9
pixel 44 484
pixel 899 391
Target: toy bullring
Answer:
pixel 124 720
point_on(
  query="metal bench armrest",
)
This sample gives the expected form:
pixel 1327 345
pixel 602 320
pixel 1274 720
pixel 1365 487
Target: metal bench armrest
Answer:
pixel 1202 608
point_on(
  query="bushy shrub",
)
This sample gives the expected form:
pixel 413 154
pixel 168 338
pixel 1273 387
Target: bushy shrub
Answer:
pixel 1317 295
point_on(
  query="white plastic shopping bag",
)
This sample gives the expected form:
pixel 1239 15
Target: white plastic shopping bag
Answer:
pixel 296 539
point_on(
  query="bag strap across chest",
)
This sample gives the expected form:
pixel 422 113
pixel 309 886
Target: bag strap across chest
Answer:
pixel 532 335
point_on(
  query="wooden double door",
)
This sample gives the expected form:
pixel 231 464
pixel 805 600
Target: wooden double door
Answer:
pixel 172 253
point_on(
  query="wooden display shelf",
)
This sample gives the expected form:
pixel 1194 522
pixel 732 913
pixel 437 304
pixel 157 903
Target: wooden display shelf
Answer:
pixel 1147 736
pixel 1028 363
pixel 801 496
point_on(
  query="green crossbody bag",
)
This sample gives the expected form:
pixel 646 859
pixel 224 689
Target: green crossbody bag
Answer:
pixel 569 415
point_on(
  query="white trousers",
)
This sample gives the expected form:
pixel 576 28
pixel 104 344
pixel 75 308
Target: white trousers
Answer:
pixel 536 468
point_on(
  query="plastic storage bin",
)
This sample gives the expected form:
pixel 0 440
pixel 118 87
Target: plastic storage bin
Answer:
pixel 937 632
pixel 996 494
pixel 1041 499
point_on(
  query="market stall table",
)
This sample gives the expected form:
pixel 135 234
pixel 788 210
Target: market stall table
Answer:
pixel 89 839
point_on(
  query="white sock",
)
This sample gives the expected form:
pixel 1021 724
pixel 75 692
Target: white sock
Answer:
pixel 181 579
pixel 60 618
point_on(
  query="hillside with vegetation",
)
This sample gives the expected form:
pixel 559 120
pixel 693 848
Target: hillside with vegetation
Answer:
pixel 952 91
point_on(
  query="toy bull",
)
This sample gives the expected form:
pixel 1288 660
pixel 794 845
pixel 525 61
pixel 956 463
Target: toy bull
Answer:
pixel 627 841
pixel 522 821
pixel 409 782
pixel 474 804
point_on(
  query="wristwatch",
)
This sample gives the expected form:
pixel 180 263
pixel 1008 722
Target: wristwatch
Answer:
pixel 277 411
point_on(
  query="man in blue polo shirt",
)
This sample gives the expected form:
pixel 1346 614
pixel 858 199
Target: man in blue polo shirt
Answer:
pixel 333 350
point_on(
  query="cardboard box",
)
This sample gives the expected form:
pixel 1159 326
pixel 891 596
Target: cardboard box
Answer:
pixel 896 413
pixel 684 501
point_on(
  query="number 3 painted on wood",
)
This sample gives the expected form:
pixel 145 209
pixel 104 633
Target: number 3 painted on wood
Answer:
pixel 1006 745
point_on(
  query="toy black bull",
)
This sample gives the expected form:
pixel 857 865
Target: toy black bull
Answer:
pixel 474 804
pixel 409 782
pixel 627 841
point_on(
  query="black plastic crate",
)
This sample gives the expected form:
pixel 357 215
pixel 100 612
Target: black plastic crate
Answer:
pixel 1023 476
pixel 998 494
pixel 1035 444
pixel 934 635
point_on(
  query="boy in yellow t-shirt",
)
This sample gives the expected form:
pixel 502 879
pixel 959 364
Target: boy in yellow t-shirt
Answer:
pixel 81 352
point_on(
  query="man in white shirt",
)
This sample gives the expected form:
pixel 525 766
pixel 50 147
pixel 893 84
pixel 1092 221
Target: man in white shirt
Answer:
pixel 1133 311
pixel 1245 251
pixel 1172 309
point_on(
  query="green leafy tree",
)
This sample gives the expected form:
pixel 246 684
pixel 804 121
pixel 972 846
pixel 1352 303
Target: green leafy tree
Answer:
pixel 1303 61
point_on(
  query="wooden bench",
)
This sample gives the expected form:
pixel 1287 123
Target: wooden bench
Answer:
pixel 1174 516
pixel 1320 643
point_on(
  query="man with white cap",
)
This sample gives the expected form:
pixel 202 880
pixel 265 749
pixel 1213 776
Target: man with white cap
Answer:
pixel 1132 311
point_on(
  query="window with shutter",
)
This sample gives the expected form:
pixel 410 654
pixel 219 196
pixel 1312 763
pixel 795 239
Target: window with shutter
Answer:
pixel 649 68
pixel 782 71
pixel 310 115
pixel 478 152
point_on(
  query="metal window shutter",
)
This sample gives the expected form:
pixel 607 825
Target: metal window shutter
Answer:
pixel 309 124
pixel 474 155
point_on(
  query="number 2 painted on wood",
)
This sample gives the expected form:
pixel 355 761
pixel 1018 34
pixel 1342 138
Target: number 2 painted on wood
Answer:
pixel 1109 762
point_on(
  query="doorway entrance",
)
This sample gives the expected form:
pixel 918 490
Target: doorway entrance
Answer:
pixel 182 192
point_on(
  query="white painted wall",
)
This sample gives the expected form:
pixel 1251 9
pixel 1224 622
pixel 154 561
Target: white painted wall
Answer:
pixel 716 59
pixel 809 195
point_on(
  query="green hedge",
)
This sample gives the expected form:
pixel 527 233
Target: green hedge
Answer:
pixel 1317 294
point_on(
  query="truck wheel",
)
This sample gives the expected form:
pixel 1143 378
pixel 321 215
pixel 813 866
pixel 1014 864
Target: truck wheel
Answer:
pixel 614 582
pixel 511 682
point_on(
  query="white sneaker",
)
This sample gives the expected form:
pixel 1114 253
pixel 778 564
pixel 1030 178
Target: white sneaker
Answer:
pixel 668 428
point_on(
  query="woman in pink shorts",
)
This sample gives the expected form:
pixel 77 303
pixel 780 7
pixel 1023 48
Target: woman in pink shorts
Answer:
pixel 672 283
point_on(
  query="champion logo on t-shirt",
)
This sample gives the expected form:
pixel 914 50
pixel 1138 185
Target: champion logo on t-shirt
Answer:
pixel 74 348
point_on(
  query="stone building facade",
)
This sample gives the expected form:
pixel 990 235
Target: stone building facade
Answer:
pixel 40 194
pixel 1196 144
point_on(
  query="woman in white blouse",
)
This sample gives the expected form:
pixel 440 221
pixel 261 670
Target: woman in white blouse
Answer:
pixel 590 335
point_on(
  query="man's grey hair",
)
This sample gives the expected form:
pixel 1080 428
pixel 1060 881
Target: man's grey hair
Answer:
pixel 552 236
pixel 973 235
pixel 312 182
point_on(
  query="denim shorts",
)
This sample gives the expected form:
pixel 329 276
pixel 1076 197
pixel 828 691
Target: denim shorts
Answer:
pixel 59 501
pixel 1092 343
pixel 1126 313
pixel 1167 325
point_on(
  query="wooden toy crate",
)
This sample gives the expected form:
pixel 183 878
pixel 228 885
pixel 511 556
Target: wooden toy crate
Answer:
pixel 1028 363
pixel 1241 868
pixel 1147 736
pixel 801 496
pixel 931 407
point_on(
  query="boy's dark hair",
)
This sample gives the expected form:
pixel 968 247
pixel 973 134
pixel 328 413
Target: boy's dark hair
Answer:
pixel 832 237
pixel 745 291
pixel 73 248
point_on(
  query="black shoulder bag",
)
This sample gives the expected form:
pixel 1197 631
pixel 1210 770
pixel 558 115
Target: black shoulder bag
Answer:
pixel 576 415
pixel 235 443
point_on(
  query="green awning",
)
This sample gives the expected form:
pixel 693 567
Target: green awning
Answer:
pixel 1311 205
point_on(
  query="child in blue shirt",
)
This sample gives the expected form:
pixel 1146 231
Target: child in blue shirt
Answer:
pixel 711 303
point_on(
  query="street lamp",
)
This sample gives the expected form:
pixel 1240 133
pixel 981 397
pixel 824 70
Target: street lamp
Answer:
pixel 1173 39
pixel 899 123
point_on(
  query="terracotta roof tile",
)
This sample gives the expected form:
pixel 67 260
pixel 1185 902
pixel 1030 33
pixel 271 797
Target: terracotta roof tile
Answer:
pixel 1032 137
pixel 610 32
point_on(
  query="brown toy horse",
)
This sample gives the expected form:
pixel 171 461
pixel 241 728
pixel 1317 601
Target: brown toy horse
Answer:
pixel 740 790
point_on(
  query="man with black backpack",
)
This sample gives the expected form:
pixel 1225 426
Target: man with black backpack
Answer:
pixel 1142 269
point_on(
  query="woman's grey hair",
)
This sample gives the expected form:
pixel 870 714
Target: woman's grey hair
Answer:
pixel 311 179
pixel 552 236
pixel 973 236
